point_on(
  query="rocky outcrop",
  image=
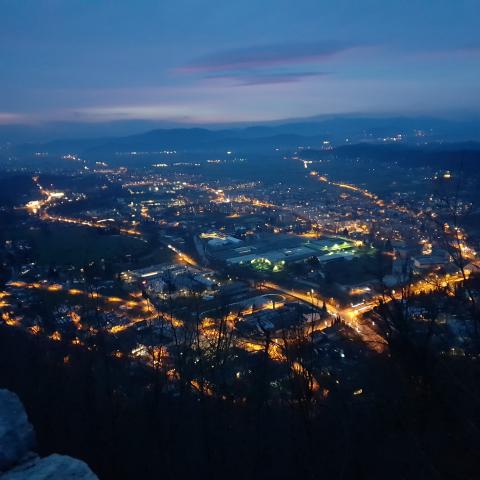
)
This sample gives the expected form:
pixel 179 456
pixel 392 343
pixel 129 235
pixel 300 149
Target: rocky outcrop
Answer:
pixel 52 467
pixel 16 433
pixel 17 440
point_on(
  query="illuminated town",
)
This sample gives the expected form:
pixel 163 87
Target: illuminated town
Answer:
pixel 176 268
pixel 195 274
pixel 199 258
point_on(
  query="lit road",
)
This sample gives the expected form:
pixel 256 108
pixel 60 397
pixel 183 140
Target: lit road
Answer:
pixel 183 257
pixel 40 208
pixel 85 223
pixel 350 315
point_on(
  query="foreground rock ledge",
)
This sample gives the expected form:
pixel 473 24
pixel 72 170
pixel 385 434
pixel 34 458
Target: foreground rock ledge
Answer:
pixel 17 440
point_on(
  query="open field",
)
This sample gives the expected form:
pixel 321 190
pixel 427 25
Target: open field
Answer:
pixel 60 244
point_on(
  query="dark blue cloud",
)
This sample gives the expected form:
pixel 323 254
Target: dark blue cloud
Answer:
pixel 256 78
pixel 266 56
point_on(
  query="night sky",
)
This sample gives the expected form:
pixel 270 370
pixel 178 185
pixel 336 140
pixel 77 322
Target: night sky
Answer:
pixel 222 61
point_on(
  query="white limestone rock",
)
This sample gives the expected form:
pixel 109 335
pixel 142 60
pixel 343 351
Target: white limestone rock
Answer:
pixel 53 467
pixel 17 437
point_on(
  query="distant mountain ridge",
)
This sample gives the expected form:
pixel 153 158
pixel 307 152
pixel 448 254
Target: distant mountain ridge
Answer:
pixel 312 134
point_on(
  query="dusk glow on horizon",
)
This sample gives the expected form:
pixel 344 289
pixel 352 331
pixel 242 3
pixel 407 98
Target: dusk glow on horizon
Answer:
pixel 215 62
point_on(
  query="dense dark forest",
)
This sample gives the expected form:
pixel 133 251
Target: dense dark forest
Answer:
pixel 418 418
